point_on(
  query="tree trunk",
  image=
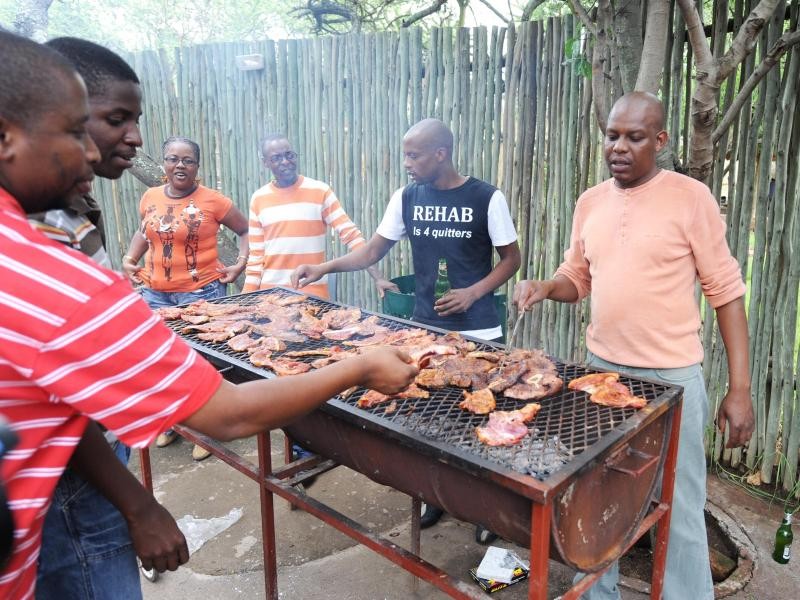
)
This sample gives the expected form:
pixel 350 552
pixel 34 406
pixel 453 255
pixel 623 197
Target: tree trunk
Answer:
pixel 147 170
pixel 710 73
pixel 628 41
pixel 654 47
pixel 31 20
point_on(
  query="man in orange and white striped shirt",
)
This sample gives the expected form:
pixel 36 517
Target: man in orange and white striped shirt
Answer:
pixel 289 218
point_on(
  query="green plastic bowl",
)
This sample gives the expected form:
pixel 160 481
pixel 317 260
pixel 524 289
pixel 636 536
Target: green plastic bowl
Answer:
pixel 401 304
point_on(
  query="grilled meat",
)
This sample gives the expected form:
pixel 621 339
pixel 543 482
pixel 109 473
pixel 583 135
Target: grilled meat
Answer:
pixel 606 390
pixel 481 402
pixel 506 428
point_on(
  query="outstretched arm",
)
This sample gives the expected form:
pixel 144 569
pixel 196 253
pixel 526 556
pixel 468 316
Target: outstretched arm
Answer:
pixel 360 258
pixel 156 538
pixel 236 411
pixel 736 410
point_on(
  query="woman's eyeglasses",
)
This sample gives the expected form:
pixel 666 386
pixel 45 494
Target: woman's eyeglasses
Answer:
pixel 174 160
pixel 277 159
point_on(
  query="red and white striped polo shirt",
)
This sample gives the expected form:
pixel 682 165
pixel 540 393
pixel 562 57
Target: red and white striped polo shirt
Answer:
pixel 76 341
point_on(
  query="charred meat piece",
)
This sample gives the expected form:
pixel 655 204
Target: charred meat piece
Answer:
pixel 606 390
pixel 482 354
pixel 506 428
pixel 373 398
pixel 458 341
pixel 431 378
pixel 535 386
pixel 481 402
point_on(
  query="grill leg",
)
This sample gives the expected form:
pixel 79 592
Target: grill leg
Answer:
pixel 416 509
pixel 667 488
pixel 540 551
pixel 267 518
pixel 147 474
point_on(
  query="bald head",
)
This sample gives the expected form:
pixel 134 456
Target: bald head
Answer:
pixel 431 134
pixel 646 106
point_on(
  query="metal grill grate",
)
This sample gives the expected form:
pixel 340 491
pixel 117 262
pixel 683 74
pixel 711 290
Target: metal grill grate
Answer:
pixel 566 426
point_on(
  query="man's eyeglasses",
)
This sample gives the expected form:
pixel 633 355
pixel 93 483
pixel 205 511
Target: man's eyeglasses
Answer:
pixel 174 160
pixel 277 159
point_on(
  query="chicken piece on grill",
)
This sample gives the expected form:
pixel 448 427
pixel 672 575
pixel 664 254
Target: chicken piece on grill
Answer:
pixel 484 355
pixel 216 337
pixel 422 355
pixel 230 327
pixel 169 313
pixel 506 428
pixel 534 386
pixel 606 390
pixel 458 341
pixel 195 319
pixel 339 318
pixel 481 402
pixel 341 334
pixel 283 366
pixel 242 342
pixel 287 300
pixel 431 378
pixel 280 330
pixel 459 370
pixel 269 343
pixel 373 398
pixel 373 340
pixel 506 376
pixel 317 352
pixel 261 357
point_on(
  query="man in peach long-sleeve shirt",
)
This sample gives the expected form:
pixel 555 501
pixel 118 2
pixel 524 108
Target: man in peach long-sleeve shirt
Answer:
pixel 639 243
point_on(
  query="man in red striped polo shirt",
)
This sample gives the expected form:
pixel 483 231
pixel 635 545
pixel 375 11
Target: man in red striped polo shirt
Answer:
pixel 76 342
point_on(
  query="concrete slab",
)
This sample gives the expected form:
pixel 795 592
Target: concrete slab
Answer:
pixel 316 562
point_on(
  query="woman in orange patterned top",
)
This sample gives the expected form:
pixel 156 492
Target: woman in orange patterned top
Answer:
pixel 178 239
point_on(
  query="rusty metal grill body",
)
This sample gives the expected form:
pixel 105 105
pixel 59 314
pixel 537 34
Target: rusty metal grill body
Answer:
pixel 582 461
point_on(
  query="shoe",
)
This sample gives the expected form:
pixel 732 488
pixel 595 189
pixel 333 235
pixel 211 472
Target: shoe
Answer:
pixel 200 453
pixel 483 535
pixel 299 452
pixel 430 515
pixel 166 438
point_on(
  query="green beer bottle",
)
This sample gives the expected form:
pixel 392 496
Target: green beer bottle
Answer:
pixel 783 540
pixel 442 285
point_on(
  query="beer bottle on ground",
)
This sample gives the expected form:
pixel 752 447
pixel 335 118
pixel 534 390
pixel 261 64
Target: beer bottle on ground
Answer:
pixel 783 540
pixel 442 285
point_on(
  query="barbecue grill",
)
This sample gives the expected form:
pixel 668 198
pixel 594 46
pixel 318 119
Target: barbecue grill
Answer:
pixel 586 472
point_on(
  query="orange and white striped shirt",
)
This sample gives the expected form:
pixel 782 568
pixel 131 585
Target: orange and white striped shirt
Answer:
pixel 287 229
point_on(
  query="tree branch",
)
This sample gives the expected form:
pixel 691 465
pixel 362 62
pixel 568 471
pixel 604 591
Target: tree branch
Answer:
pixel 697 36
pixel 581 13
pixel 418 16
pixel 531 6
pixel 488 5
pixel 778 49
pixel 745 39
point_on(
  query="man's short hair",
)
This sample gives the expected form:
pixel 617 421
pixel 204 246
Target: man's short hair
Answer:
pixel 270 137
pixel 26 83
pixel 98 65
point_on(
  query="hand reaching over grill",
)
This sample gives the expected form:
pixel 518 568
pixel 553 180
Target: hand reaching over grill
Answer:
pixel 387 370
pixel 305 274
pixel 528 292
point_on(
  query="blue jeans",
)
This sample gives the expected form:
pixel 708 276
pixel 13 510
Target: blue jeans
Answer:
pixel 87 553
pixel 158 299
pixel 688 572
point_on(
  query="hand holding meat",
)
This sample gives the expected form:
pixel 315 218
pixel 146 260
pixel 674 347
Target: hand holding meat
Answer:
pixel 455 302
pixel 305 274
pixel 387 370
